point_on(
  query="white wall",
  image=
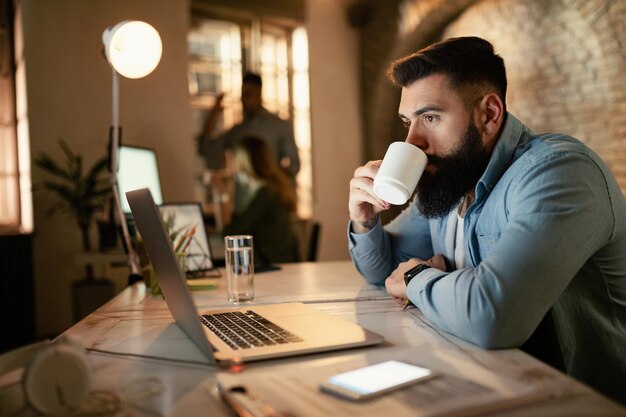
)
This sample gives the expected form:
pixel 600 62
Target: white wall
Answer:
pixel 335 116
pixel 69 96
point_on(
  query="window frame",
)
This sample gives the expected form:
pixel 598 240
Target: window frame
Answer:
pixel 252 28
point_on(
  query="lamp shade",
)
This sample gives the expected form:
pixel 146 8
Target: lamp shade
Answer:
pixel 133 48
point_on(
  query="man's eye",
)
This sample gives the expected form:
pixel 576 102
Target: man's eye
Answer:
pixel 430 119
pixel 406 124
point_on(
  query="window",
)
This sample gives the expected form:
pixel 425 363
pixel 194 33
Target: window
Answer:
pixel 215 65
pixel 302 120
pixel 222 48
pixel 15 196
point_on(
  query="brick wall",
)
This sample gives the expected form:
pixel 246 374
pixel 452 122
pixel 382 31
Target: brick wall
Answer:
pixel 398 28
pixel 566 64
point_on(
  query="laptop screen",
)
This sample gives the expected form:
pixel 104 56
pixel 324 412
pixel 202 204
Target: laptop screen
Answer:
pixel 182 218
pixel 137 168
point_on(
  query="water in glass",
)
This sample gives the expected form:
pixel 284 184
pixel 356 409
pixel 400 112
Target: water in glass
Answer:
pixel 240 274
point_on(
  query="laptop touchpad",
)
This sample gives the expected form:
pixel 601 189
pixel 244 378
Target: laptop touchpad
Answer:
pixel 311 321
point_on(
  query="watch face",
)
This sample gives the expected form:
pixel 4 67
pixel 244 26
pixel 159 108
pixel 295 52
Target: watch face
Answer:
pixel 411 273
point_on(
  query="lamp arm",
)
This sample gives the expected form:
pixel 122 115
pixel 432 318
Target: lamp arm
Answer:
pixel 114 143
pixel 115 130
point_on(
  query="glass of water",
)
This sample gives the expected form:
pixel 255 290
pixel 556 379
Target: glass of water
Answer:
pixel 239 268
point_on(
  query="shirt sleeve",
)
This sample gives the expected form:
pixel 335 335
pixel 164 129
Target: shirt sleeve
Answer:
pixel 289 149
pixel 558 215
pixel 370 253
pixel 379 251
pixel 212 149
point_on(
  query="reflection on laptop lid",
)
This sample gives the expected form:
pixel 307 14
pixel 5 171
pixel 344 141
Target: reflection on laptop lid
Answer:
pixel 185 217
pixel 222 335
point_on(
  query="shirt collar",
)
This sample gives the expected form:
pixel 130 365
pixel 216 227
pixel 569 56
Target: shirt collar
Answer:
pixel 502 156
pixel 262 113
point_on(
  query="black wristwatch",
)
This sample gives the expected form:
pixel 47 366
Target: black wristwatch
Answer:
pixel 412 273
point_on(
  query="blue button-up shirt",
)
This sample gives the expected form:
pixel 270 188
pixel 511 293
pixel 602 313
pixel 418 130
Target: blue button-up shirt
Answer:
pixel 547 230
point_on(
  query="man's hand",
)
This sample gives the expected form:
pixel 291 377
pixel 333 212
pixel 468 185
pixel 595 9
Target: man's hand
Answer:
pixel 395 285
pixel 395 282
pixel 363 204
pixel 211 117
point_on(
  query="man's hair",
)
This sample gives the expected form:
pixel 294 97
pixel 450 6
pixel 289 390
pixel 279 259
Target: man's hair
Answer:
pixel 252 78
pixel 467 62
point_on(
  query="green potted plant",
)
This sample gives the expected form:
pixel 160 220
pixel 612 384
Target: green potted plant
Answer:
pixel 81 194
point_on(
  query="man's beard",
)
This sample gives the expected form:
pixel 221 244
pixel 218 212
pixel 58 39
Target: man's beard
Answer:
pixel 456 175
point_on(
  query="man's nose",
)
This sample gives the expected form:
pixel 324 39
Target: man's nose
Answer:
pixel 415 138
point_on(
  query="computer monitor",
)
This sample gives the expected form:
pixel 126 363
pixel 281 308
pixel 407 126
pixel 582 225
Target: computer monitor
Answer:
pixel 181 218
pixel 137 168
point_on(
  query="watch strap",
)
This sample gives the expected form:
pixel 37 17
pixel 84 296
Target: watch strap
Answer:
pixel 413 272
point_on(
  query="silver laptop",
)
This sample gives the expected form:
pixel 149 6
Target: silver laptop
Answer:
pixel 239 334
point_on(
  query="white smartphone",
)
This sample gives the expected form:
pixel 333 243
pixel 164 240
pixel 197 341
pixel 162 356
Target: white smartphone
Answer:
pixel 374 380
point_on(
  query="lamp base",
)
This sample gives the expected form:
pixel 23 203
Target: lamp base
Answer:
pixel 132 278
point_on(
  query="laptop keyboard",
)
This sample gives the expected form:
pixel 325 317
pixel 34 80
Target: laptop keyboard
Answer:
pixel 247 330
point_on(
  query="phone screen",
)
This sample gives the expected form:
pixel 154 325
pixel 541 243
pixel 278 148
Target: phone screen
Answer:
pixel 375 379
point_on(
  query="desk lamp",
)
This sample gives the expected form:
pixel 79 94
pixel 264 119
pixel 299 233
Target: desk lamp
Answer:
pixel 133 49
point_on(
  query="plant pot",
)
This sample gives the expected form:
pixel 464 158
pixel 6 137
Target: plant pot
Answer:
pixel 107 235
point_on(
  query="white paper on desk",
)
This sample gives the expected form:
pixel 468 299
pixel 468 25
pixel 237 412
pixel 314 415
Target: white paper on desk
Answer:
pixel 294 389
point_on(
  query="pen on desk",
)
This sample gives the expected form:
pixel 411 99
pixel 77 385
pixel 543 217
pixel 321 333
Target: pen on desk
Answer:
pixel 407 303
pixel 244 403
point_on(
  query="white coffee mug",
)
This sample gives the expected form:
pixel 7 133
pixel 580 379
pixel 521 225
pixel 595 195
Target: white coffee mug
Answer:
pixel 399 173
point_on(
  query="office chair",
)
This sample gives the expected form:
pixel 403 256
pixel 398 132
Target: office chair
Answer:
pixel 307 234
pixel 314 235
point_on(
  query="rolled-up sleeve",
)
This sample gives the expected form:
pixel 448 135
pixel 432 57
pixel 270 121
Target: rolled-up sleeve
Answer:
pixel 371 253
pixel 379 251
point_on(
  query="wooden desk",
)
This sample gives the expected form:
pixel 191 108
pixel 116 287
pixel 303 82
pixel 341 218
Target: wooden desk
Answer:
pixel 134 324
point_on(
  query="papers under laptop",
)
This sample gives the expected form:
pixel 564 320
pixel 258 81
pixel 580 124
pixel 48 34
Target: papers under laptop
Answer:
pixel 276 330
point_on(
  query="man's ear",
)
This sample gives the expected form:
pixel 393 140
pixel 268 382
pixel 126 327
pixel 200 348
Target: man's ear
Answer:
pixel 491 115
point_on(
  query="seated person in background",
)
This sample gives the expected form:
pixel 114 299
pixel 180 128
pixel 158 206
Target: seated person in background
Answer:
pixel 264 203
pixel 507 226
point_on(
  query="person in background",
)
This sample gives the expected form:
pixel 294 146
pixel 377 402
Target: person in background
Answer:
pixel 507 227
pixel 257 121
pixel 266 204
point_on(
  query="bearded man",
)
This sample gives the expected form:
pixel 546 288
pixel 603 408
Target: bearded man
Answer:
pixel 507 228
